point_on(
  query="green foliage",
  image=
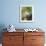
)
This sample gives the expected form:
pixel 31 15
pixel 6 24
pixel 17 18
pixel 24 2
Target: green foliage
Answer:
pixel 28 9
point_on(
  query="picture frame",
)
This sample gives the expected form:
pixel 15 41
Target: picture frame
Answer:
pixel 26 13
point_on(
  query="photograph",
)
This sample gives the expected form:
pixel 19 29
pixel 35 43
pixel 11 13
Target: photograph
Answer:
pixel 26 13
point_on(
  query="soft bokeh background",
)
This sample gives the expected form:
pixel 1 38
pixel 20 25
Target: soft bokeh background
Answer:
pixel 9 14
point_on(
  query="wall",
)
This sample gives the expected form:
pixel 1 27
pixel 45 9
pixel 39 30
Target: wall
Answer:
pixel 9 13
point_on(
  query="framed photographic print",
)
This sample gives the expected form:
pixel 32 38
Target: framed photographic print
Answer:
pixel 26 13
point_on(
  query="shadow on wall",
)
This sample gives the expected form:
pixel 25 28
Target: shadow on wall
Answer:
pixel 2 26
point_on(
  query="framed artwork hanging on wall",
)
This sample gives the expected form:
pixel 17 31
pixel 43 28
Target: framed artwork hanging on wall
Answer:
pixel 26 13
